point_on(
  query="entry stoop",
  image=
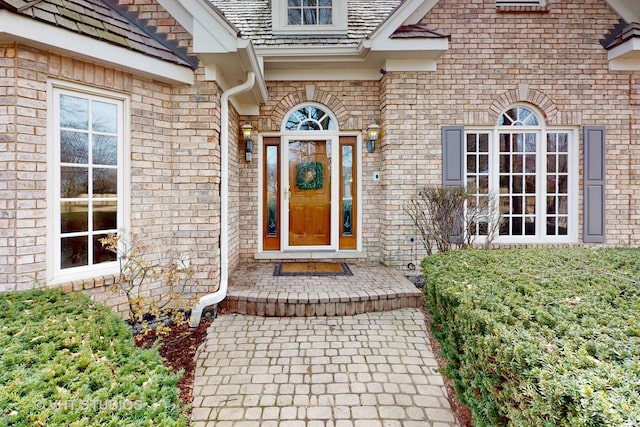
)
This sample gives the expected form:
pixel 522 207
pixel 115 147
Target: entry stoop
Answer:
pixel 255 290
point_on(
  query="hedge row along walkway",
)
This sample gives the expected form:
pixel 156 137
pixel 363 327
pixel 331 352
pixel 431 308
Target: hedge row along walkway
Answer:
pixel 371 369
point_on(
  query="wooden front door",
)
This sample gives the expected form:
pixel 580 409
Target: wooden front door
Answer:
pixel 309 193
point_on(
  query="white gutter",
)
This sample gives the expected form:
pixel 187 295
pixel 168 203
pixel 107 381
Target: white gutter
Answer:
pixel 221 293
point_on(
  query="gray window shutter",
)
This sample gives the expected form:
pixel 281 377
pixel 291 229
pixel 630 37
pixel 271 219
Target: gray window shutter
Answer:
pixel 452 156
pixel 453 165
pixel 594 184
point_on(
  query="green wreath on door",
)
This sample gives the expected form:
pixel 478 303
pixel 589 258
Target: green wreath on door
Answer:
pixel 309 176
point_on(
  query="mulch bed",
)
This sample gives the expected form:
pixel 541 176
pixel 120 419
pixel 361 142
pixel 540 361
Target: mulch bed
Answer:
pixel 462 412
pixel 178 348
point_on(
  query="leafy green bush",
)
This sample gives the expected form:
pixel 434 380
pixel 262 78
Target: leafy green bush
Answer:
pixel 66 361
pixel 540 337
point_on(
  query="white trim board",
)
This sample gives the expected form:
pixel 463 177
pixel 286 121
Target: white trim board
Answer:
pixel 18 28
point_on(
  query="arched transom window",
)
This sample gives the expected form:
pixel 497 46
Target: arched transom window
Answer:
pixel 527 174
pixel 309 117
pixel 518 116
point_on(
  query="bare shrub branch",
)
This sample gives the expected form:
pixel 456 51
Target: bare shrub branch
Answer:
pixel 453 217
pixel 137 274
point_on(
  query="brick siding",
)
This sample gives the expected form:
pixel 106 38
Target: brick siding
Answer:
pixel 550 59
pixel 174 179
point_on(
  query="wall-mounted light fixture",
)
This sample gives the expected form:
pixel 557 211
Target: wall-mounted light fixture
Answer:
pixel 372 133
pixel 248 143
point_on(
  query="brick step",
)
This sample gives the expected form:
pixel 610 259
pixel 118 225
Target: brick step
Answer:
pixel 286 304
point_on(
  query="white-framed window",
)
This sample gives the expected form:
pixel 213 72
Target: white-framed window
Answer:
pixel 87 184
pixel 530 171
pixel 310 117
pixel 309 17
pixel 309 12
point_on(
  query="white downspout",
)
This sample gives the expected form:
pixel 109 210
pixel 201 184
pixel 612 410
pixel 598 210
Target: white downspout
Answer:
pixel 221 293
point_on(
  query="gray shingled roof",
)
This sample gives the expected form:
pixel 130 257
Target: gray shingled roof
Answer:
pixel 253 19
pixel 624 33
pixel 103 20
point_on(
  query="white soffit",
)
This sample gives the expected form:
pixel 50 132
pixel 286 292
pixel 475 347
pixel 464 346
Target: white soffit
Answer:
pixel 420 12
pixel 354 63
pixel 629 10
pixel 625 56
pixel 29 31
pixel 360 65
pixel 408 13
pixel 226 57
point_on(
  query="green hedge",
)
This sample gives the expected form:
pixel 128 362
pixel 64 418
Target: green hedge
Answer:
pixel 66 361
pixel 540 337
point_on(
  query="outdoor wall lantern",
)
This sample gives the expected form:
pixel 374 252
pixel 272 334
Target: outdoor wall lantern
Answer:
pixel 248 144
pixel 372 132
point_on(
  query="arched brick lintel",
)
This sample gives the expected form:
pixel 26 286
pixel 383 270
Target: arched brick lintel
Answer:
pixel 293 99
pixel 522 94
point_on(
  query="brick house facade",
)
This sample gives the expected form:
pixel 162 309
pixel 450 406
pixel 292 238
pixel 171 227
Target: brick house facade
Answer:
pixel 533 103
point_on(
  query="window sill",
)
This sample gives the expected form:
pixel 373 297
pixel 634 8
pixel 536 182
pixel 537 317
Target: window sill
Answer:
pixel 87 279
pixel 516 242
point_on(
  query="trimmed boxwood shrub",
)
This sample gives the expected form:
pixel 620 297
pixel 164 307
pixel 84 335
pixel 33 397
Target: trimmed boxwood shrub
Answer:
pixel 540 337
pixel 67 361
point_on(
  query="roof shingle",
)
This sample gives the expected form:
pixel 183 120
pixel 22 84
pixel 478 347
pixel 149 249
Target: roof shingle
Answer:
pixel 253 19
pixel 101 19
pixel 624 32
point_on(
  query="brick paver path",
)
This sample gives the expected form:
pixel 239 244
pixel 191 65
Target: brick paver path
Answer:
pixel 367 370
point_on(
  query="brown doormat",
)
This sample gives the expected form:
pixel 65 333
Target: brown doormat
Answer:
pixel 312 269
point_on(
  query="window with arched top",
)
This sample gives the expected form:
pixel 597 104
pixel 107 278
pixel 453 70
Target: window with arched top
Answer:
pixel 527 173
pixel 309 118
pixel 518 116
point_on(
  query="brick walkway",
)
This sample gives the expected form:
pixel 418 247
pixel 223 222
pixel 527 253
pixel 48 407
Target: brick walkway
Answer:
pixel 366 370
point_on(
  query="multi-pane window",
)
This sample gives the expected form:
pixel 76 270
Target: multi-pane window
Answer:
pixel 557 179
pixel 310 12
pixel 310 17
pixel 88 177
pixel 477 158
pixel 528 171
pixel 309 118
pixel 517 182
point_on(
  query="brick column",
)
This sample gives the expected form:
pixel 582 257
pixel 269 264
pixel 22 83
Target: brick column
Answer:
pixel 399 161
pixel 8 182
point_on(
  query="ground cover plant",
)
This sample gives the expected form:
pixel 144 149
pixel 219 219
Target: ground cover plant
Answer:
pixel 540 337
pixel 67 361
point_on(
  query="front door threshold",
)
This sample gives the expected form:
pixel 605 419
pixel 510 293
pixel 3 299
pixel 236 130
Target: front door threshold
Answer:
pixel 280 255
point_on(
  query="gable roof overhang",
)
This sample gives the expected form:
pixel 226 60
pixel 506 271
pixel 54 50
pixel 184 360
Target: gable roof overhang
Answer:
pixel 384 50
pixel 22 29
pixel 226 57
pixel 624 50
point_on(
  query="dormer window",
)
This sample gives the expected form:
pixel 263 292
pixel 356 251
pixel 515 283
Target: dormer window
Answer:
pixel 309 17
pixel 309 12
